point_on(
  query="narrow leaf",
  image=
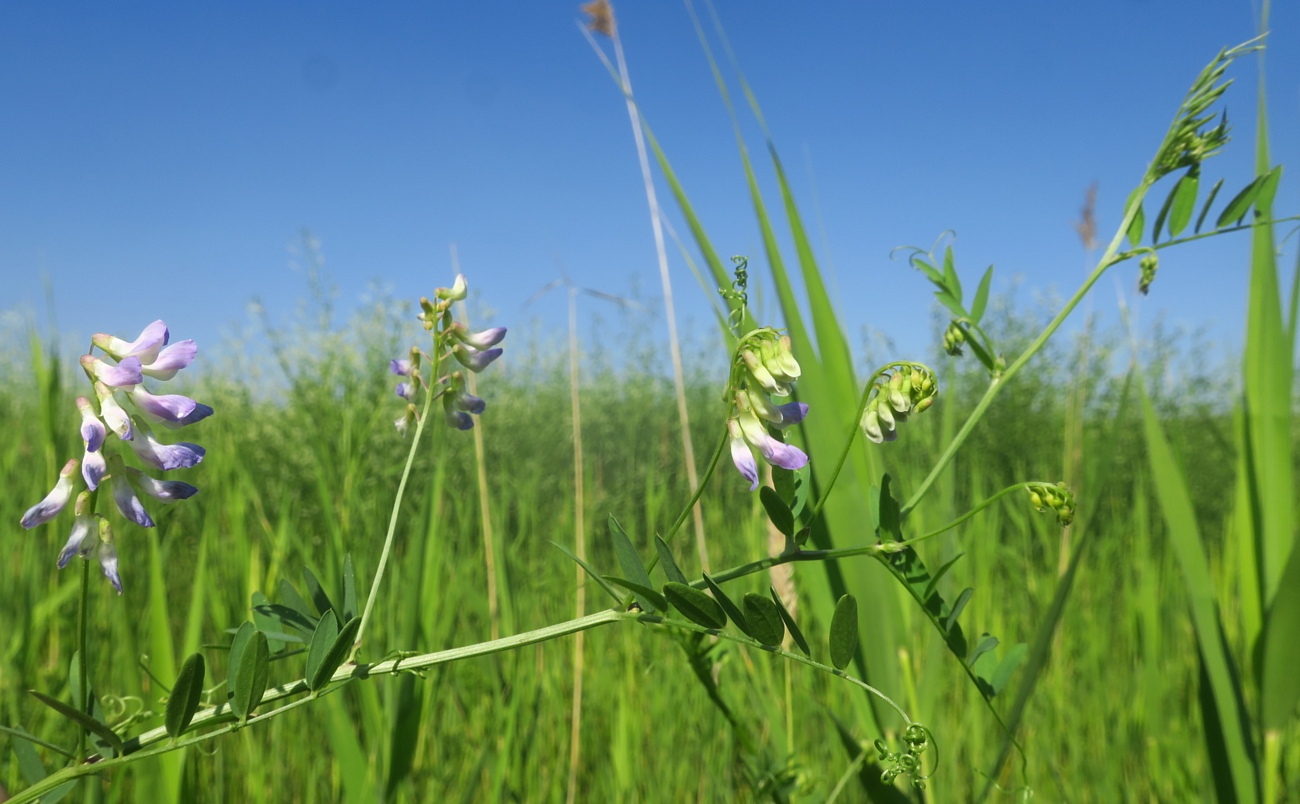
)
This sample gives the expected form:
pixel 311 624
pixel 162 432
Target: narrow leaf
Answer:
pixel 1184 202
pixel 591 573
pixel 844 632
pixel 1002 673
pixel 290 598
pixel 85 721
pixel 790 624
pixel 733 611
pixel 958 606
pixel 1138 223
pixel 950 278
pixel 891 528
pixel 763 619
pixel 946 299
pixel 321 642
pixel 1267 191
pixel 695 605
pixel 666 560
pixel 777 511
pixel 185 696
pixel 981 300
pixel 249 669
pixel 1237 208
pixel 334 656
pixel 319 599
pixel 939 573
pixel 629 560
pixel 930 272
pixel 1158 227
pixel 1209 202
pixel 646 597
pixel 986 644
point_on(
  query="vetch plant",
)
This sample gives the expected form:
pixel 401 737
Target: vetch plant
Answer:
pixel 828 497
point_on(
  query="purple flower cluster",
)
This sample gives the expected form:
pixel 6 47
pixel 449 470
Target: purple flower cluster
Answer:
pixel 764 365
pixel 451 339
pixel 150 355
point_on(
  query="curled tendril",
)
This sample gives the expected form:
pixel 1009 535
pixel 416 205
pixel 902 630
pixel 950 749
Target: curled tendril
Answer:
pixel 907 762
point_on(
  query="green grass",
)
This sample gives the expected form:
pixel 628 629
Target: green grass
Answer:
pixel 307 480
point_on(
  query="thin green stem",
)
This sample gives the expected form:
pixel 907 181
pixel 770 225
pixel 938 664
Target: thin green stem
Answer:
pixel 397 507
pixel 83 693
pixel 855 427
pixel 699 490
pixel 895 546
pixel 996 385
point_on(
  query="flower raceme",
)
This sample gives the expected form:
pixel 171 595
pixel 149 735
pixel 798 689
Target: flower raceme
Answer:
pixel 451 339
pixel 150 355
pixel 763 365
pixel 909 388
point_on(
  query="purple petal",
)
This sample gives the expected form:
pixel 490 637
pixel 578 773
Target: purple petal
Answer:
pixel 741 456
pixel 405 390
pixel 200 412
pixel 48 508
pixel 181 455
pixel 93 467
pixel 92 429
pixel 129 504
pixel 774 452
pixel 791 413
pixel 152 338
pixel 459 419
pixel 161 407
pixel 401 368
pixel 171 360
pixel 473 359
pixel 485 339
pixel 786 456
pixel 123 374
pixel 465 401
pixel 108 563
pixel 161 489
pixel 80 530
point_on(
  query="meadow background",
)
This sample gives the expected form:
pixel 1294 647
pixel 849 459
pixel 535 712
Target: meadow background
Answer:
pixel 301 470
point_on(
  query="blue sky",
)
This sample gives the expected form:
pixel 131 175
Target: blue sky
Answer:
pixel 161 160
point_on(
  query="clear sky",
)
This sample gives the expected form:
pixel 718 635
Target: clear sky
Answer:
pixel 160 160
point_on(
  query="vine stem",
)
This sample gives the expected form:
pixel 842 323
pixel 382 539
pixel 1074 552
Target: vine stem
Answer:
pixel 996 384
pixel 83 675
pixel 397 507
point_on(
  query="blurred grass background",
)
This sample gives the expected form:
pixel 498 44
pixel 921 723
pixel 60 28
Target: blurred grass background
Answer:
pixel 302 468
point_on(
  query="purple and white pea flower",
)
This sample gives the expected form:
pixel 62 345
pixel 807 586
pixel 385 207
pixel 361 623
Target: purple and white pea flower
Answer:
pixel 200 412
pixel 108 554
pixel 114 415
pixel 181 455
pixel 165 490
pixel 159 408
pixel 81 528
pixel 125 498
pixel 465 401
pixel 406 391
pixel 171 359
pixel 472 358
pixel 92 429
pixel 126 373
pixel 145 348
pixel 458 419
pixel 748 431
pixel 93 467
pixel 54 502
pixel 780 416
pixel 400 366
pixel 479 340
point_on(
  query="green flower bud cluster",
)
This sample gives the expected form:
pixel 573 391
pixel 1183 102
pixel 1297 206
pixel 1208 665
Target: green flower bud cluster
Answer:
pixel 907 762
pixel 908 389
pixel 953 337
pixel 1056 497
pixel 1148 264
